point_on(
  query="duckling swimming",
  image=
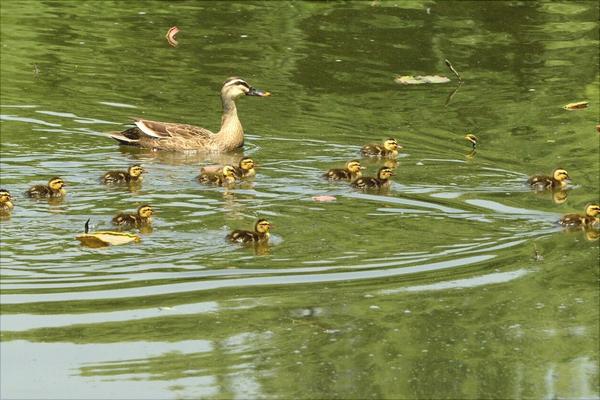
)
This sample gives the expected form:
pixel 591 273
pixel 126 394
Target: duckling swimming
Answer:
pixel 245 168
pixel 133 174
pixel 260 235
pixel 588 220
pixel 389 149
pixel 351 172
pixel 143 217
pixel 473 139
pixel 54 189
pixel 381 182
pixel 223 177
pixel 6 204
pixel 558 180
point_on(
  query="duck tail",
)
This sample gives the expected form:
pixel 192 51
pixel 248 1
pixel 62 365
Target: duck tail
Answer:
pixel 130 136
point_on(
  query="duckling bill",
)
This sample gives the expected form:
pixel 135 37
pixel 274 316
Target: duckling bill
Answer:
pixel 559 180
pixel 352 172
pixel 590 219
pixel 143 217
pixel 133 174
pixel 260 235
pixel 389 149
pixel 55 188
pixel 382 181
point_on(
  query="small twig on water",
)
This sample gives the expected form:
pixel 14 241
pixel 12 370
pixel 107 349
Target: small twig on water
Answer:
pixel 449 64
pixel 537 256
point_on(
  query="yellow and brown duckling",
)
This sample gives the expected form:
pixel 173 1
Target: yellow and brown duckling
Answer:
pixel 389 149
pixel 142 217
pixel 381 182
pixel 6 204
pixel 590 219
pixel 260 235
pixel 55 188
pixel 245 168
pixel 472 139
pixel 133 174
pixel 223 177
pixel 559 180
pixel 351 172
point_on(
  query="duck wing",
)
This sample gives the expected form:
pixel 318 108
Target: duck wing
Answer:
pixel 165 130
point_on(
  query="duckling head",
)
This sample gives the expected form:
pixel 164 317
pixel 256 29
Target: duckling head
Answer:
pixel 561 175
pixel 472 138
pixel 145 211
pixel 391 144
pixel 246 163
pixel 354 166
pixel 5 196
pixel 235 87
pixel 592 210
pixel 135 170
pixel 228 171
pixel 385 173
pixel 56 183
pixel 262 226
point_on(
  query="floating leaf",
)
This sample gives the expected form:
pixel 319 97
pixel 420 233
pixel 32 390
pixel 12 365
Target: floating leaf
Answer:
pixel 418 80
pixel 598 128
pixel 171 36
pixel 106 238
pixel 324 198
pixel 576 106
pixel 211 169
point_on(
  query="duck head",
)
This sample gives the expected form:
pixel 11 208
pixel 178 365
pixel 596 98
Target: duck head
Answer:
pixel 235 87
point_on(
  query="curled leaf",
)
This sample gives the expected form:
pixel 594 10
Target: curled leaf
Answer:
pixel 324 198
pixel 171 36
pixel 418 80
pixel 576 106
pixel 106 238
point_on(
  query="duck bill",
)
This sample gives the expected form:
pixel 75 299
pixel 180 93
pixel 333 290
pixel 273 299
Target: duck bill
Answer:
pixel 257 92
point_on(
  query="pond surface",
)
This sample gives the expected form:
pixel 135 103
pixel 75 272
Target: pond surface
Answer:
pixel 432 290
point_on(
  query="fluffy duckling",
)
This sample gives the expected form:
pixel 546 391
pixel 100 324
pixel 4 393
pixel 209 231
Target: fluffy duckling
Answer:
pixel 245 168
pixel 473 139
pixel 389 149
pixel 351 172
pixel 558 180
pixel 142 217
pixel 53 189
pixel 223 177
pixel 6 204
pixel 381 182
pixel 133 174
pixel 577 220
pixel 260 235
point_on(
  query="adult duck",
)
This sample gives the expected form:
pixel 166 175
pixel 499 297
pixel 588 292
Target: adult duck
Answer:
pixel 182 137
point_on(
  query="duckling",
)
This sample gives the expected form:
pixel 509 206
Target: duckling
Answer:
pixel 588 220
pixel 351 172
pixel 54 189
pixel 389 149
pixel 381 182
pixel 141 218
pixel 558 180
pixel 181 137
pixel 260 235
pixel 6 204
pixel 473 139
pixel 245 168
pixel 133 174
pixel 223 177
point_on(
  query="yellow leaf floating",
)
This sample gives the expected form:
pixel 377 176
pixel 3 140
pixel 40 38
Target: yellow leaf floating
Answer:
pixel 106 238
pixel 418 80
pixel 576 106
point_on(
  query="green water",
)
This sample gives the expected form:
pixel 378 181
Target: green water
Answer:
pixel 429 291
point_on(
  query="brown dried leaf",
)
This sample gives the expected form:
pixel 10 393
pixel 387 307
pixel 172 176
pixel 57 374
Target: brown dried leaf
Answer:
pixel 106 238
pixel 418 80
pixel 576 106
pixel 171 36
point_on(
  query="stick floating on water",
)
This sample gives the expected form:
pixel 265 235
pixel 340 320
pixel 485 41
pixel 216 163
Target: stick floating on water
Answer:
pixel 449 64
